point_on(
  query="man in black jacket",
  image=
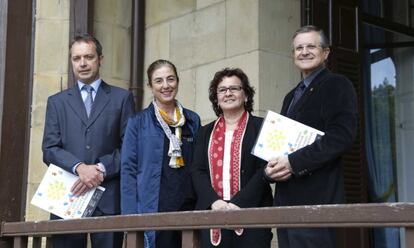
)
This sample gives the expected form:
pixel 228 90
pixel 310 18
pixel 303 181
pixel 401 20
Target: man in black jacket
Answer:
pixel 314 174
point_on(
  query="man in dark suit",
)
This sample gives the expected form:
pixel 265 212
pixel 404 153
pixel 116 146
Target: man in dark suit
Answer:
pixel 83 134
pixel 314 174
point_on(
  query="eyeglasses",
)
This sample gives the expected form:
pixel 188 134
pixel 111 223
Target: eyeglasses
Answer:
pixel 308 47
pixel 232 89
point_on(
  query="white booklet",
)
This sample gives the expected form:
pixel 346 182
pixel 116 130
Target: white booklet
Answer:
pixel 280 136
pixel 54 196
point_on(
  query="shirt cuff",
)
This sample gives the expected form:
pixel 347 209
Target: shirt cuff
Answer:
pixel 74 168
pixel 102 168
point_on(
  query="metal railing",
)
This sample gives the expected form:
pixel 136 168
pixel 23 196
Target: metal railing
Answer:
pixel 352 215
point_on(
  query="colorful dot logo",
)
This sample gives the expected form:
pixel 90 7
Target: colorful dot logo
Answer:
pixel 275 140
pixel 56 190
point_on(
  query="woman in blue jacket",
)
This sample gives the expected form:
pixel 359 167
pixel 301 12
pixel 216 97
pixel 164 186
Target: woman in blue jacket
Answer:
pixel 157 153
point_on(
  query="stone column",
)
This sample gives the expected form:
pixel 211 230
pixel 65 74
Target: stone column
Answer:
pixel 49 77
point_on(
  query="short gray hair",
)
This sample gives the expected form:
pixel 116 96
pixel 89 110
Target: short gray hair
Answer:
pixel 311 28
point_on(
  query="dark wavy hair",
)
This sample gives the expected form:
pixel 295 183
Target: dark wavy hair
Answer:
pixel 158 64
pixel 230 72
pixel 87 38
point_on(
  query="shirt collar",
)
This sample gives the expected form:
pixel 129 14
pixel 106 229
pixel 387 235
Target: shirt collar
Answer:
pixel 308 80
pixel 95 84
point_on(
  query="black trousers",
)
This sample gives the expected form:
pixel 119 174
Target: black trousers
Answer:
pixel 306 237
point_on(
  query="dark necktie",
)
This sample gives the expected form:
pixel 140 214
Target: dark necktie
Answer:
pixel 88 100
pixel 298 93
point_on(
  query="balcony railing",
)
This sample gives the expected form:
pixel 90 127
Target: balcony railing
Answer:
pixel 353 215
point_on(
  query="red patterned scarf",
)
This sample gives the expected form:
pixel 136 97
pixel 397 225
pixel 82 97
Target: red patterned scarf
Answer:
pixel 216 155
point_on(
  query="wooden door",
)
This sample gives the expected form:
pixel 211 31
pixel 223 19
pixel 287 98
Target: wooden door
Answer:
pixel 15 87
pixel 340 21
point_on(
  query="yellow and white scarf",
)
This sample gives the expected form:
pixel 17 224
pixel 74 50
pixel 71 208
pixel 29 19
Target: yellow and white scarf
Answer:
pixel 174 150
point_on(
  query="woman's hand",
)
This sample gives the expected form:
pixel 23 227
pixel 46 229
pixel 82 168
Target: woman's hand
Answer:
pixel 219 205
pixel 233 206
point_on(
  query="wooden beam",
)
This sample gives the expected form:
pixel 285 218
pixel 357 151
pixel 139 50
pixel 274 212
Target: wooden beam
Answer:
pixel 191 239
pixel 409 237
pixel 80 21
pixel 20 242
pixel 135 240
pixel 343 215
pixel 3 45
pixel 137 52
pixel 388 25
pixel 79 11
pixel 37 242
pixel 16 92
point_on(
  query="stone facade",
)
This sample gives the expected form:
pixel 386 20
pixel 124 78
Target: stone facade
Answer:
pixel 202 37
pixel 199 36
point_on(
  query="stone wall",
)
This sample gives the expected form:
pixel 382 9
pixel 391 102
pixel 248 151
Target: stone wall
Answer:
pixel 202 37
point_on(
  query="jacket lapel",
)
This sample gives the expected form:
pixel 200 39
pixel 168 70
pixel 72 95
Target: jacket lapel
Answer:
pixel 310 90
pixel 76 103
pixel 287 101
pixel 102 98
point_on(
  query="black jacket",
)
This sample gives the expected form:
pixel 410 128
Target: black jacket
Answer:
pixel 255 191
pixel 328 104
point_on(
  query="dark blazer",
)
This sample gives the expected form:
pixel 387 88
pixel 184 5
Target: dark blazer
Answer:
pixel 255 191
pixel 328 104
pixel 70 137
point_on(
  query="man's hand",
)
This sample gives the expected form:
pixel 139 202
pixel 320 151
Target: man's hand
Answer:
pixel 78 188
pixel 89 176
pixel 279 169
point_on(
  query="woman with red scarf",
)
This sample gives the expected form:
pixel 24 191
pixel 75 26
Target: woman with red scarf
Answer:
pixel 225 174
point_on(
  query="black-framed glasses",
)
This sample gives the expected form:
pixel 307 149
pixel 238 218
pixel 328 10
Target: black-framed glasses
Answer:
pixel 232 89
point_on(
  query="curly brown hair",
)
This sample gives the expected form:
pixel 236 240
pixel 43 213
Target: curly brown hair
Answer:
pixel 230 72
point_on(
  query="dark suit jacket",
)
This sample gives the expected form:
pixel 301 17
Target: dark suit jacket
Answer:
pixel 328 104
pixel 255 191
pixel 70 137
